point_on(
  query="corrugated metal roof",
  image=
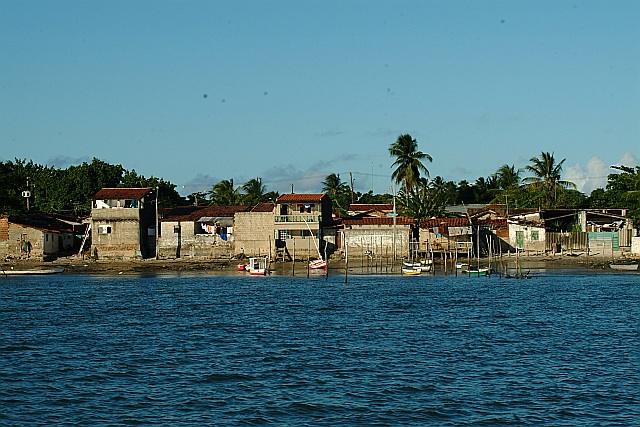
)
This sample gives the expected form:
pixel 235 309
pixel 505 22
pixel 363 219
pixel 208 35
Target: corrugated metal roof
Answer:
pixel 122 193
pixel 300 198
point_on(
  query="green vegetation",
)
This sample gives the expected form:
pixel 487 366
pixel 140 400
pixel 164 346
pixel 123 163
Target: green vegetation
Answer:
pixel 70 190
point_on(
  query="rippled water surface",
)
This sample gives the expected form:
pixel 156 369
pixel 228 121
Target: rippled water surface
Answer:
pixel 555 350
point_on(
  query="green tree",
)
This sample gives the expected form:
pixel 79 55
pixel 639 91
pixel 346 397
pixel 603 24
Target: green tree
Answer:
pixel 337 190
pixel 225 194
pixel 508 177
pixel 546 178
pixel 255 191
pixel 408 161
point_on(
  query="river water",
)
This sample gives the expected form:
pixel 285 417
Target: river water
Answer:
pixel 554 350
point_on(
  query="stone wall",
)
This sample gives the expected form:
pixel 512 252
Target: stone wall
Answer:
pixel 123 242
pixel 254 234
pixel 376 240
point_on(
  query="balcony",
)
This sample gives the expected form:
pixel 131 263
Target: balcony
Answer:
pixel 298 218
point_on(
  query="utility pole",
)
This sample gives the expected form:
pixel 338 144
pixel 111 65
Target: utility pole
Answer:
pixel 351 179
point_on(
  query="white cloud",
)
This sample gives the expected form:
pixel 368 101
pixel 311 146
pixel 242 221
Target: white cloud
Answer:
pixel 588 178
pixel 629 160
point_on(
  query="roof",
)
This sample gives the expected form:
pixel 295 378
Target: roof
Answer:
pixel 44 222
pixel 444 222
pixel 122 193
pixel 263 207
pixel 195 213
pixel 388 220
pixel 300 198
pixel 357 207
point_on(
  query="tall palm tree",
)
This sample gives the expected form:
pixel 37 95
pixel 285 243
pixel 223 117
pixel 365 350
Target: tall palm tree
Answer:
pixel 225 194
pixel 508 177
pixel 546 177
pixel 408 161
pixel 336 189
pixel 255 191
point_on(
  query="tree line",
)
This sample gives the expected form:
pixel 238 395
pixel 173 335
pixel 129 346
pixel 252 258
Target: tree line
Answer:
pixel 536 185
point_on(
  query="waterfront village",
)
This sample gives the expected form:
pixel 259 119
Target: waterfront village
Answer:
pixel 125 225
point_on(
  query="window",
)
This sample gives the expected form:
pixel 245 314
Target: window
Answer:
pixel 535 236
pixel 104 229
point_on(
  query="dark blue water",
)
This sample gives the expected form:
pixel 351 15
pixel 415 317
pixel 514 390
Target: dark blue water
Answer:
pixel 555 350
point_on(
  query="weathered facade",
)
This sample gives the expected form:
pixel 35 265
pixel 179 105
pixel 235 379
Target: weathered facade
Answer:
pixel 123 223
pixel 39 236
pixel 204 232
pixel 298 218
pixel 375 236
pixel 254 231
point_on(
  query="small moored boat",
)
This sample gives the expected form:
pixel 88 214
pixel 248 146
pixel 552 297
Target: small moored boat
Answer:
pixel 624 267
pixel 317 264
pixel 36 271
pixel 257 266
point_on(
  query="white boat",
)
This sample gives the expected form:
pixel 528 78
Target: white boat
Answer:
pixel 13 272
pixel 410 264
pixel 424 267
pixel 257 266
pixel 624 267
pixel 319 263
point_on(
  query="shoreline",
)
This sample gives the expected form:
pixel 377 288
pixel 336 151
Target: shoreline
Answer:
pixel 76 265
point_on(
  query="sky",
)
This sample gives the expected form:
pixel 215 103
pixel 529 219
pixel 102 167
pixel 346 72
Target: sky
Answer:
pixel 291 91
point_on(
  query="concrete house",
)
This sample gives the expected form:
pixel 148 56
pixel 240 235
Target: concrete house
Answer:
pixel 198 231
pixel 527 232
pixel 255 231
pixel 123 223
pixel 39 236
pixel 298 217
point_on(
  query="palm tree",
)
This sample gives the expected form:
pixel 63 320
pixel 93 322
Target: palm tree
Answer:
pixel 336 189
pixel 225 194
pixel 508 177
pixel 408 161
pixel 546 177
pixel 255 191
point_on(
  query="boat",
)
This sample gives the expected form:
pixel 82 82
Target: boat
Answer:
pixel 424 267
pixel 475 271
pixel 409 264
pixel 462 265
pixel 317 264
pixel 411 271
pixel 624 267
pixel 242 266
pixel 257 266
pixel 34 271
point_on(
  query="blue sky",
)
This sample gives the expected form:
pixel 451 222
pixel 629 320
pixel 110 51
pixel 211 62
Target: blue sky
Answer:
pixel 291 91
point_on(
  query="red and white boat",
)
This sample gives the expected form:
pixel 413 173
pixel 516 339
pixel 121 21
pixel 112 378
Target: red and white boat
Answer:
pixel 257 266
pixel 317 264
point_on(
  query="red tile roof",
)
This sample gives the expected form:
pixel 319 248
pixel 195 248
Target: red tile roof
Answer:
pixel 300 198
pixel 388 220
pixel 122 193
pixel 371 207
pixel 444 222
pixel 194 213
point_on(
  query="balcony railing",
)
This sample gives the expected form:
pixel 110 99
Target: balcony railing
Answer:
pixel 298 218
